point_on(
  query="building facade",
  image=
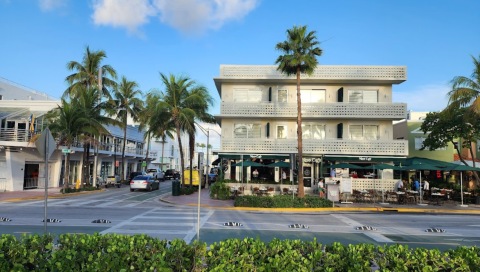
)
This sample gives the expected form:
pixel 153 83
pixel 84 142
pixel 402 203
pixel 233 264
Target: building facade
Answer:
pixel 21 166
pixel 347 115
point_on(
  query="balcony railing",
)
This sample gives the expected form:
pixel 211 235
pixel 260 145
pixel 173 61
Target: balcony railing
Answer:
pixel 328 72
pixel 316 110
pixel 327 146
pixel 16 135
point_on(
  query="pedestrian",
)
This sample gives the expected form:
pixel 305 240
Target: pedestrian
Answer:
pixel 255 174
pixel 399 186
pixel 426 188
pixel 284 175
pixel 321 189
pixel 333 173
pixel 416 185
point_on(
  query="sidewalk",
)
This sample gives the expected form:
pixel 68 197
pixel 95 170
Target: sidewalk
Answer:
pixel 207 202
pixel 38 194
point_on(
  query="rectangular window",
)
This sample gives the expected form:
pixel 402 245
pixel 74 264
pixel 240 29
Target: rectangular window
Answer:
pixel 419 143
pixel 171 154
pixel 246 95
pixel 247 131
pixel 1 97
pixel 312 96
pixel 313 131
pixel 362 96
pixel 282 96
pixel 363 132
pixel 282 132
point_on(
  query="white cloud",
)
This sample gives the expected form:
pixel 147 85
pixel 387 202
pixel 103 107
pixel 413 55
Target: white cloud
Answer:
pixel 424 98
pixel 187 16
pixel 47 5
pixel 123 13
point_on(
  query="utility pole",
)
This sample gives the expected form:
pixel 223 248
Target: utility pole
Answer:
pixel 95 160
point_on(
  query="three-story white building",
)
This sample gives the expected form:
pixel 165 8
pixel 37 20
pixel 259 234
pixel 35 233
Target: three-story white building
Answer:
pixel 347 114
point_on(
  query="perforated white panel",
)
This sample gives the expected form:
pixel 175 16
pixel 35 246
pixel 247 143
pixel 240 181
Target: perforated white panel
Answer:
pixel 321 72
pixel 314 146
pixel 323 110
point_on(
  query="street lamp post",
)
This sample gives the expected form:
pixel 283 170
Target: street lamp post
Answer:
pixel 206 131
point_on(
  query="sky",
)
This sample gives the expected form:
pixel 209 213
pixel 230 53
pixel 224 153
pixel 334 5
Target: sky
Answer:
pixel 143 38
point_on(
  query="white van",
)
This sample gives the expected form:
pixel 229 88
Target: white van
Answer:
pixel 156 173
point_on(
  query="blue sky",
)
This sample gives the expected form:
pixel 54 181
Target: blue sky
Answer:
pixel 434 39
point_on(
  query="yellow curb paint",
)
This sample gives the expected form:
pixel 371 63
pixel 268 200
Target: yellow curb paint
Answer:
pixel 53 196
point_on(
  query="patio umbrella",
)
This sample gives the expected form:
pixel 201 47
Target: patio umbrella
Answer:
pixel 279 164
pixel 423 166
pixel 462 168
pixel 345 165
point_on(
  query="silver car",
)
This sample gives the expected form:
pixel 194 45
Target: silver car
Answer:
pixel 144 182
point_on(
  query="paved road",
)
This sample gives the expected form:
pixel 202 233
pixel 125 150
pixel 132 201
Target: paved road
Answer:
pixel 142 212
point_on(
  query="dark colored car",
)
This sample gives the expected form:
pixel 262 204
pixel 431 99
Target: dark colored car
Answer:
pixel 134 174
pixel 213 175
pixel 172 174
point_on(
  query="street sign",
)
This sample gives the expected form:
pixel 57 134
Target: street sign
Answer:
pixel 66 151
pixel 40 144
pixel 144 164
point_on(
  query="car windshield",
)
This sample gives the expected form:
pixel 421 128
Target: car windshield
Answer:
pixel 140 178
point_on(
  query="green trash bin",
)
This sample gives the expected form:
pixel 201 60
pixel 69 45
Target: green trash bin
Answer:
pixel 175 188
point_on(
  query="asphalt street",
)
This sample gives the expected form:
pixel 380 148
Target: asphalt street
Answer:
pixel 141 212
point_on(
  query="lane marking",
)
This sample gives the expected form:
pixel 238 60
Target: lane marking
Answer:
pixel 193 231
pixel 377 237
pixel 117 226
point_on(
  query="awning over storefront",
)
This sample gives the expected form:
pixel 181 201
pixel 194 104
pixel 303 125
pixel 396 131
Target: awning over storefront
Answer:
pixel 258 156
pixel 364 158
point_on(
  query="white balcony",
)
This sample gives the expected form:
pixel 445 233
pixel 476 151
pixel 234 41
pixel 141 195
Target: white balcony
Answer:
pixel 378 111
pixel 327 146
pixel 393 74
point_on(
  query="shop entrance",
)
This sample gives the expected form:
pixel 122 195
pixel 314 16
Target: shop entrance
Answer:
pixel 30 176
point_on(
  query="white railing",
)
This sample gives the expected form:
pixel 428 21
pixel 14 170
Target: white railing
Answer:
pixel 317 110
pixel 15 135
pixel 338 72
pixel 368 184
pixel 310 146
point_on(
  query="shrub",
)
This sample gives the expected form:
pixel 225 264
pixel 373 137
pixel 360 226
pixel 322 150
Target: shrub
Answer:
pixel 220 189
pixel 282 201
pixel 74 190
pixel 188 190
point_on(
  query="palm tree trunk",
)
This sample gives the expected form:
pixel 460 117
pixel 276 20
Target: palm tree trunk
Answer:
pixel 182 161
pixel 114 156
pixel 473 164
pixel 146 155
pixel 67 170
pixel 301 192
pixel 191 143
pixel 163 145
pixel 123 149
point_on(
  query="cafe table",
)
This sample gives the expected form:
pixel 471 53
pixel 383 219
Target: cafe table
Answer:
pixel 437 195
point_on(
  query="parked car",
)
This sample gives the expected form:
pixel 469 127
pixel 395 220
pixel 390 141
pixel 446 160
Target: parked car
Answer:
pixel 111 181
pixel 172 174
pixel 195 179
pixel 156 173
pixel 134 174
pixel 144 182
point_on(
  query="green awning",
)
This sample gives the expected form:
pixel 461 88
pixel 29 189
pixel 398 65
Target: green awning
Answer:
pixel 247 156
pixel 364 158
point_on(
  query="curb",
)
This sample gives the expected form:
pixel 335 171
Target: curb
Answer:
pixel 340 209
pixel 53 196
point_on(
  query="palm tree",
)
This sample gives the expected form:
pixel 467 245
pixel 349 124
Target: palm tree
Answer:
pixel 87 73
pixel 127 104
pixel 300 53
pixel 466 93
pixel 98 114
pixel 68 123
pixel 181 101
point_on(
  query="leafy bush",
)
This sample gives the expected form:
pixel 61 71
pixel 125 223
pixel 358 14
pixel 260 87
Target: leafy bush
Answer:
pixel 112 252
pixel 188 190
pixel 74 190
pixel 220 189
pixel 282 201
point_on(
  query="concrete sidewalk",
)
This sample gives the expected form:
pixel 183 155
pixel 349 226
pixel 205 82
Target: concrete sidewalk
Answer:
pixel 38 194
pixel 207 202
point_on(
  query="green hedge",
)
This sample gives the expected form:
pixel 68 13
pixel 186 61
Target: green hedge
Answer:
pixel 73 190
pixel 80 252
pixel 282 201
pixel 188 190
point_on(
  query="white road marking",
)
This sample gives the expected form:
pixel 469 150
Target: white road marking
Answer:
pixel 375 236
pixel 193 231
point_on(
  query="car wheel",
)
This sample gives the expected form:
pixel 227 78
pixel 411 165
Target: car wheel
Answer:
pixel 131 190
pixel 158 186
pixel 149 188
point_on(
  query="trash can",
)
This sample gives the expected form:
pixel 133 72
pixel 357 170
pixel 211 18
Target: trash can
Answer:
pixel 175 188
